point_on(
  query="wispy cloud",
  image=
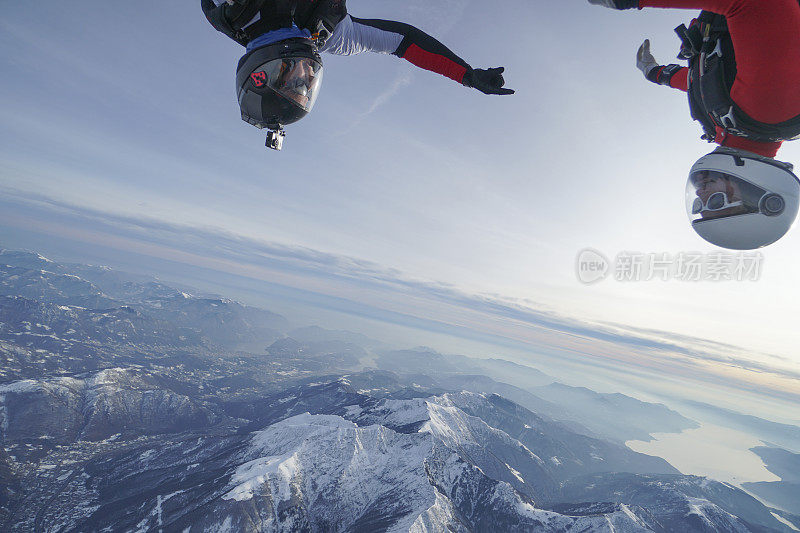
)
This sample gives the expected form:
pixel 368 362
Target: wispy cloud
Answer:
pixel 442 18
pixel 402 80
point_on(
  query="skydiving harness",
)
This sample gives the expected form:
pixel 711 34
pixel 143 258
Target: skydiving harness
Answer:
pixel 708 47
pixel 233 17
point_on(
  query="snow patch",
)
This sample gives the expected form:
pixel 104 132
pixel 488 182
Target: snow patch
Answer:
pixel 628 512
pixel 19 387
pixel 516 473
pixel 436 518
pixel 325 457
pixel 396 413
pixel 226 526
pixel 159 510
pixel 456 428
pixel 251 476
pixel 698 506
pixel 782 520
pixel 287 399
pixel 3 416
pixel 293 433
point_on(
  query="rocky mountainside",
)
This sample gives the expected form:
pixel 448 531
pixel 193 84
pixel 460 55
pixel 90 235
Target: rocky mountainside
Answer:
pixel 326 457
pixel 124 406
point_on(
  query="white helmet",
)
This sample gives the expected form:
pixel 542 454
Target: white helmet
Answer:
pixel 740 200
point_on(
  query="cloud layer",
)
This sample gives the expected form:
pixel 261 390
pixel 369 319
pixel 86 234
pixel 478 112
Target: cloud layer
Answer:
pixel 386 294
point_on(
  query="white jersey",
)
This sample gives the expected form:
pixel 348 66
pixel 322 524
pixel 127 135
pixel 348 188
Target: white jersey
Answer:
pixel 351 37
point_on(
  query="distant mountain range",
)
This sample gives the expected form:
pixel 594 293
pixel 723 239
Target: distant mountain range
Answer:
pixel 127 405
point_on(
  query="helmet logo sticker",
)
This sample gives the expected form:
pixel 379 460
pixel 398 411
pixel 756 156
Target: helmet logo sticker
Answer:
pixel 259 78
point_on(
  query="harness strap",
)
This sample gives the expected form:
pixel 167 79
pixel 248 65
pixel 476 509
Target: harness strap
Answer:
pixel 273 15
pixel 233 19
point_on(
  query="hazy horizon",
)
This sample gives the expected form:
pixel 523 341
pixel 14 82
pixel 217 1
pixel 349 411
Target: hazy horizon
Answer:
pixel 616 365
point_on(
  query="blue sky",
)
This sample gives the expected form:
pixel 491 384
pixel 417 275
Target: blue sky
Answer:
pixel 125 118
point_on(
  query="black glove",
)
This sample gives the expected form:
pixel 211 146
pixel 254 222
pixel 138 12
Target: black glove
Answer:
pixel 487 81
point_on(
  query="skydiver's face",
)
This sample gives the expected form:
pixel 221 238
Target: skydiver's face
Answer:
pixel 297 78
pixel 708 184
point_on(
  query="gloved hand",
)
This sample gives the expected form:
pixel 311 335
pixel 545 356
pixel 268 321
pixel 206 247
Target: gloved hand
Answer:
pixel 644 59
pixel 487 81
pixel 616 4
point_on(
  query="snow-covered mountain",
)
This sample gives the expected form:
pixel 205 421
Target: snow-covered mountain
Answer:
pixel 424 464
pixel 124 407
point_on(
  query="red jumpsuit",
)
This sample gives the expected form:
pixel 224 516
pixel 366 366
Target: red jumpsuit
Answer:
pixel 766 41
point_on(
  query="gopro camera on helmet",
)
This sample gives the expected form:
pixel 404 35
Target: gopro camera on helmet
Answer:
pixel 275 139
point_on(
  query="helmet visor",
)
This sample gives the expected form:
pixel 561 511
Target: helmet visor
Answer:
pixel 297 79
pixel 711 194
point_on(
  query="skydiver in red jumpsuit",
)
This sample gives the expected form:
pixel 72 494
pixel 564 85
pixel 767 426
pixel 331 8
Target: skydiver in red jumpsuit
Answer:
pixel 743 81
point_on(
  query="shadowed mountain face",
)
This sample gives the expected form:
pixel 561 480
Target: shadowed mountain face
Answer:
pixel 97 406
pixel 786 465
pixel 123 406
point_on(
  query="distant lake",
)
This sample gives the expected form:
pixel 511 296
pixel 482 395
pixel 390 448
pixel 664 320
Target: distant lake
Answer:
pixel 714 451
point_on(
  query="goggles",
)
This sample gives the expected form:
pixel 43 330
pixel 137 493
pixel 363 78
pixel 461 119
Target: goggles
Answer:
pixel 716 202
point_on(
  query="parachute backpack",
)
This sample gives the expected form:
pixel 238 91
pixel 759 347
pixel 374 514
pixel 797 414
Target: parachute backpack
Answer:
pixel 707 45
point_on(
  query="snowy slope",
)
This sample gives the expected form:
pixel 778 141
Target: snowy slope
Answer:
pixel 324 473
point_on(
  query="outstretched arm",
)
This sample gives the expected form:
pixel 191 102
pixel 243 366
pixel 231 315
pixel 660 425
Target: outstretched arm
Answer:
pixel 673 75
pixel 722 7
pixel 353 36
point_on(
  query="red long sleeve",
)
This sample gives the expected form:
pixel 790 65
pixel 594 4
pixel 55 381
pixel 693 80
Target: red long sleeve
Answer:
pixel 680 80
pixel 721 7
